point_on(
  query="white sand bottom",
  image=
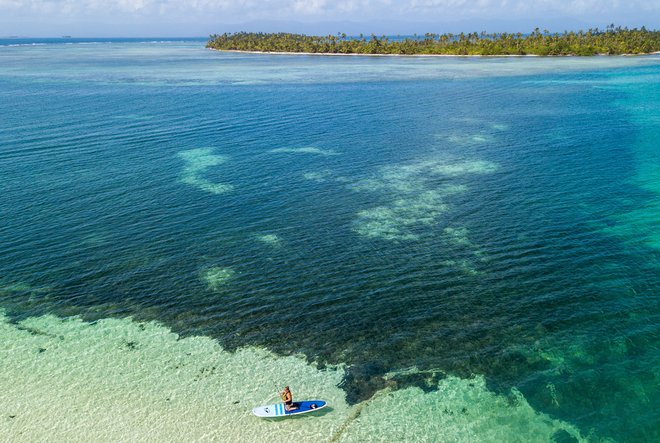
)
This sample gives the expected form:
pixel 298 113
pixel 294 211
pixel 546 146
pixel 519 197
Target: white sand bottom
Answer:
pixel 119 380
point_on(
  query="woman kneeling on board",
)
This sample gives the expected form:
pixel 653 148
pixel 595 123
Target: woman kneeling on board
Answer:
pixel 287 396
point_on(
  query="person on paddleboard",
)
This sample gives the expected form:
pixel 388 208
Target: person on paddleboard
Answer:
pixel 287 397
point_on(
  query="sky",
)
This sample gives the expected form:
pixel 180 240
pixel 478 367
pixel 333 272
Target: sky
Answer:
pixel 183 18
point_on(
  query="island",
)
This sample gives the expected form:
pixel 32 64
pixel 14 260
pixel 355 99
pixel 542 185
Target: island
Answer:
pixel 611 41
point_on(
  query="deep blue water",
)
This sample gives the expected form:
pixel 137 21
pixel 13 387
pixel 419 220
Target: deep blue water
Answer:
pixel 470 216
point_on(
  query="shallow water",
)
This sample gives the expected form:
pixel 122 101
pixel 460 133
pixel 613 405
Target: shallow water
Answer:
pixel 421 222
pixel 116 380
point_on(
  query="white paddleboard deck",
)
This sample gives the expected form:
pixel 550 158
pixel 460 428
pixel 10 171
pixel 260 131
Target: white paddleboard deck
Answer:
pixel 278 409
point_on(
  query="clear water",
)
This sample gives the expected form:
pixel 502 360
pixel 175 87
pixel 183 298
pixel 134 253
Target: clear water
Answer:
pixel 420 222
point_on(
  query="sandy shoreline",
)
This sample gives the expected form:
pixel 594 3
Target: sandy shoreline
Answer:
pixel 120 380
pixel 333 54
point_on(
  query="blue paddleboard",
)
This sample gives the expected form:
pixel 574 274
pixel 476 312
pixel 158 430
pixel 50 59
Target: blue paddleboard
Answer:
pixel 278 410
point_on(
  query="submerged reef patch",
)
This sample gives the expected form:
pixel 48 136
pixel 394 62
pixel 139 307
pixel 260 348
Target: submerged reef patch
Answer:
pixel 198 161
pixel 23 290
pixel 457 236
pixel 628 374
pixel 217 276
pixel 16 287
pixel 414 198
pixel 270 239
pixel 466 140
pixel 305 150
pixel 461 410
pixel 500 126
pixel 465 266
pixel 397 220
pixel 318 177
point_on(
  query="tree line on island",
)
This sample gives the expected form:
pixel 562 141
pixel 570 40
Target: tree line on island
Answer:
pixel 613 40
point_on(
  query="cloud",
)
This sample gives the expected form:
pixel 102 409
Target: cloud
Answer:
pixel 520 7
pixel 422 9
pixel 432 14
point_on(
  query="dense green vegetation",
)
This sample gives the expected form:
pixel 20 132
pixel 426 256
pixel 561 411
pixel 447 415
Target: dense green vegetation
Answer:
pixel 612 40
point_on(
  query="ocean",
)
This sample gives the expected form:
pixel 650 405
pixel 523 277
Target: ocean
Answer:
pixel 445 249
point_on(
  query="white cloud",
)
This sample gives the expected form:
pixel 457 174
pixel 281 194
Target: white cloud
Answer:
pixel 383 8
pixel 503 7
pixel 212 14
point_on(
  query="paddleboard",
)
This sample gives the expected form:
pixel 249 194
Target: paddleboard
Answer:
pixel 278 410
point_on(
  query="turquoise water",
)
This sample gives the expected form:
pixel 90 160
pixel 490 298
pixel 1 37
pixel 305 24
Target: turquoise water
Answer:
pixel 414 219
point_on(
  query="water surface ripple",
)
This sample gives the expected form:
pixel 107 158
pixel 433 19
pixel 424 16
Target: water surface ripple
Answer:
pixel 495 217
